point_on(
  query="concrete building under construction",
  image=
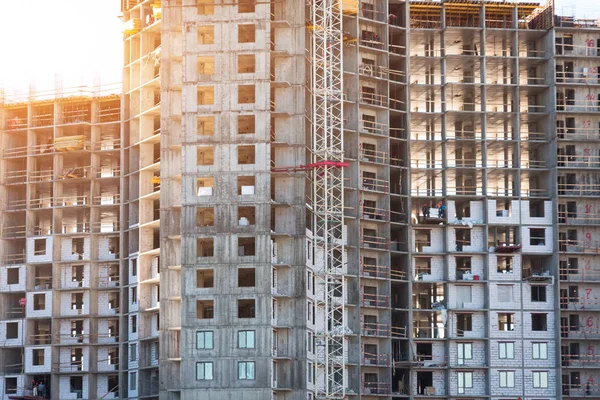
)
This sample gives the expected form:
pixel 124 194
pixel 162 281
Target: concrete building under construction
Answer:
pixel 336 199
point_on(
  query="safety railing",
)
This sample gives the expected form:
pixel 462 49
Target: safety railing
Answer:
pixel 574 218
pixel 578 246
pixel 76 172
pixel 71 201
pixel 464 190
pixel 374 300
pixel 372 156
pixel 14 231
pixel 41 175
pixel 372 127
pixel 375 388
pixel 107 145
pixel 579 275
pixel 373 329
pixel 580 360
pixel 587 133
pixel 374 71
pixel 16 205
pixel 578 77
pixel 13 259
pixel 41 202
pixel 106 200
pixel 374 184
pixel 578 105
pixel 396 274
pixel 15 177
pixel 578 161
pixel 579 302
pixel 21 151
pixel 374 271
pixel 375 99
pixel 429 332
pixel 425 163
pixel 374 359
pixel 374 242
pixel 82 227
pixel 374 213
pixel 579 189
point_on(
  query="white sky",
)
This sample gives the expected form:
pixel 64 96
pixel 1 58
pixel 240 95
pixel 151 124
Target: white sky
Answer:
pixel 80 40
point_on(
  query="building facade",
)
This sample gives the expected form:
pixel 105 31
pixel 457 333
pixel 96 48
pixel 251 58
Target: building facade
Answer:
pixel 290 200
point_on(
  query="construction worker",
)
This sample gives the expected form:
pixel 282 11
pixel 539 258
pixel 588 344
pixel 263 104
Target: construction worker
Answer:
pixel 425 210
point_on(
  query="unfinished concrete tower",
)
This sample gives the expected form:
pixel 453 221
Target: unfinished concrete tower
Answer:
pixel 577 59
pixel 141 197
pixel 60 244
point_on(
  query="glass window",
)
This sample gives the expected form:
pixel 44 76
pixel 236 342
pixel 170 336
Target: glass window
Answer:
pixel 204 340
pixel 465 352
pixel 246 339
pixel 204 371
pixel 246 370
pixel 507 379
pixel 465 381
pixel 540 379
pixel 540 351
pixel 506 350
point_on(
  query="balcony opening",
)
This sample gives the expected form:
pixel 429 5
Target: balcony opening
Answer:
pixel 206 34
pixel 246 308
pixel 205 95
pixel 246 246
pixel 77 247
pixel 76 385
pixel 38 356
pixel 205 7
pixel 506 322
pixel 246 124
pixel 246 6
pixel 205 309
pixel 504 265
pixel 206 65
pixel 539 322
pixel 246 155
pixel 463 238
pixel 246 277
pixel 205 247
pixel 246 33
pixel 463 267
pixel 77 301
pixel 205 126
pixel 425 383
pixel 39 302
pixel 537 236
pixel 12 276
pixel 205 186
pixel 246 185
pixel 464 323
pixel 205 216
pixel 422 239
pixel 39 247
pixel 537 208
pixel 205 278
pixel 246 216
pixel 12 330
pixel 246 64
pixel 246 94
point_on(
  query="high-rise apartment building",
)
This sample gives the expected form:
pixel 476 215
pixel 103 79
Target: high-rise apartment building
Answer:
pixel 332 199
pixel 60 278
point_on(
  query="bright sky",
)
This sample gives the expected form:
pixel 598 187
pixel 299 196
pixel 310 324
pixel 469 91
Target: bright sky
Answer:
pixel 80 40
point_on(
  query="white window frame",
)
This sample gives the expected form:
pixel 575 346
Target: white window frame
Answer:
pixel 246 370
pixel 205 371
pixel 540 379
pixel 464 352
pixel 539 350
pixel 465 381
pixel 506 350
pixel 507 379
pixel 246 339
pixel 205 340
